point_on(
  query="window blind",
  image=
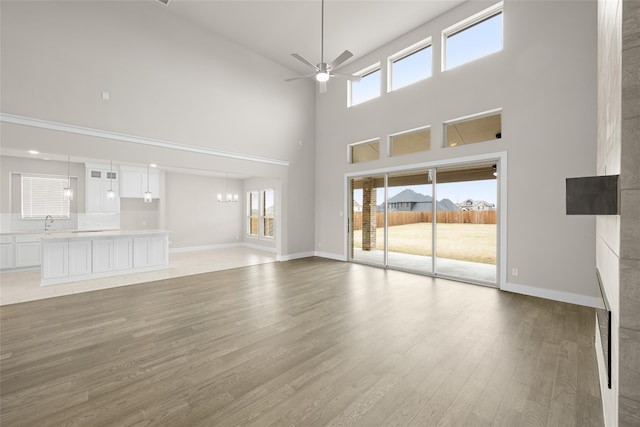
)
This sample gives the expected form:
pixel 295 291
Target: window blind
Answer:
pixel 42 196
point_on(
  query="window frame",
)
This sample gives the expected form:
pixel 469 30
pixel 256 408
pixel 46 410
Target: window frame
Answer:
pixel 64 181
pixel 488 113
pixel 405 132
pixel 465 24
pixel 354 144
pixel 405 53
pixel 364 73
pixel 261 216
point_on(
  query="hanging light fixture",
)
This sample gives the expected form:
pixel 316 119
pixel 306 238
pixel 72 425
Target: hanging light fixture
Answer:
pixel 147 194
pixel 111 195
pixel 67 192
pixel 495 170
pixel 229 197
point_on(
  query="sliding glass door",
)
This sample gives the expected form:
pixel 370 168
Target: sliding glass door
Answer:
pixel 466 226
pixel 437 221
pixel 409 221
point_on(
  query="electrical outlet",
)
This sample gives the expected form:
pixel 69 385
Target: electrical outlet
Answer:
pixel 514 271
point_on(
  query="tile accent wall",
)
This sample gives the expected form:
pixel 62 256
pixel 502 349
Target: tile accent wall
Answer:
pixel 618 237
pixel 629 351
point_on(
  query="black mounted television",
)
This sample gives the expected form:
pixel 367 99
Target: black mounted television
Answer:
pixel 593 195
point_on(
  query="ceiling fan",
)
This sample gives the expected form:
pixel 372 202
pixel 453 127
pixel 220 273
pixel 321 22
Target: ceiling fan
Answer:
pixel 324 71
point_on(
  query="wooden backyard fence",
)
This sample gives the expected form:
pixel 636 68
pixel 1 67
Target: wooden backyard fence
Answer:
pixel 443 217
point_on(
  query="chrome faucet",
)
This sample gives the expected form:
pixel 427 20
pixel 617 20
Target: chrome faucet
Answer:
pixel 48 220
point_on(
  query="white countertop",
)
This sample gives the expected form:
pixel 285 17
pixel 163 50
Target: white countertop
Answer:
pixel 84 234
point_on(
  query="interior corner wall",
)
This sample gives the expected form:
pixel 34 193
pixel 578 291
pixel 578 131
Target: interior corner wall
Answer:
pixel 544 80
pixel 609 62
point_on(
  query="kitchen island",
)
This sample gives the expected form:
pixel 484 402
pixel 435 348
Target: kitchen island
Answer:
pixel 83 255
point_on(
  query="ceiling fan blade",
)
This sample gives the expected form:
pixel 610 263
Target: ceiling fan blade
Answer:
pixel 347 76
pixel 340 59
pixel 304 61
pixel 306 76
pixel 322 87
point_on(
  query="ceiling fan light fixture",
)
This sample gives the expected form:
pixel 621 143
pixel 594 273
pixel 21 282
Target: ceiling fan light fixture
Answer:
pixel 322 76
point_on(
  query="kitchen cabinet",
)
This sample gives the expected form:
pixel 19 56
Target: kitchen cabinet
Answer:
pixel 20 250
pixel 68 257
pixel 99 179
pixel 55 260
pixel 7 251
pixel 80 257
pixel 112 255
pixel 27 250
pixel 150 251
pixel 133 182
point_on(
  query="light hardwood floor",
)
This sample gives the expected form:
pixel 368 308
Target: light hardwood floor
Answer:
pixel 299 343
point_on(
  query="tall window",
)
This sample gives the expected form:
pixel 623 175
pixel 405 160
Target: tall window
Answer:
pixel 267 213
pixel 473 38
pixel 410 65
pixel 42 196
pixel 261 213
pixel 367 88
pixel 253 212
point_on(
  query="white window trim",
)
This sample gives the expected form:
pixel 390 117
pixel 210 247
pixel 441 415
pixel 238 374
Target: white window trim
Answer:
pixel 69 179
pixel 408 51
pixel 363 73
pixel 350 146
pixel 463 25
pixel 465 119
pixel 404 132
pixel 261 217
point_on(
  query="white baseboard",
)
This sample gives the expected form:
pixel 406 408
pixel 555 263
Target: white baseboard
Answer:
pixel 295 256
pixel 204 247
pixel 222 246
pixel 337 257
pixel 550 294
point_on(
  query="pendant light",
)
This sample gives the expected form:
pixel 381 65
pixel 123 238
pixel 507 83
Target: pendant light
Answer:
pixel 67 192
pixel 111 195
pixel 147 194
pixel 229 197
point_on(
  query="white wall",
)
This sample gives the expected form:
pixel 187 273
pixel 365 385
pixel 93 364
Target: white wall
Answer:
pixel 169 80
pixel 193 214
pixel 544 79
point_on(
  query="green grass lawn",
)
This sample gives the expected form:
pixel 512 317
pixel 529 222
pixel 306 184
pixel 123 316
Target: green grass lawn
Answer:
pixel 465 242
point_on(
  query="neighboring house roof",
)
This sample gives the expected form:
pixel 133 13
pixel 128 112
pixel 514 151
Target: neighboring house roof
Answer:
pixel 418 201
pixel 409 196
pixel 470 203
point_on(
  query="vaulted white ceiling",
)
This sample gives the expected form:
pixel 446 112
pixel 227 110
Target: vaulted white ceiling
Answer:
pixel 276 29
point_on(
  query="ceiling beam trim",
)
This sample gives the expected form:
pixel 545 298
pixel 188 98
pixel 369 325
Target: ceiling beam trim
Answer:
pixel 100 133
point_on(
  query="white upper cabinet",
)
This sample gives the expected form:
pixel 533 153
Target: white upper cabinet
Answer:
pixel 100 179
pixel 134 182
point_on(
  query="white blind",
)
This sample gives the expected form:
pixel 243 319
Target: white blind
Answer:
pixel 42 196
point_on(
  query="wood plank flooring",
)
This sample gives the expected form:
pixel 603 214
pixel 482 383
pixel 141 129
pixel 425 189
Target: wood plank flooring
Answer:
pixel 309 342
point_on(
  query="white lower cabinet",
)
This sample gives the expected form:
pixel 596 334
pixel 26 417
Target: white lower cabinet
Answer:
pixel 79 257
pixel 7 251
pixel 149 251
pixel 55 260
pixel 27 254
pixel 20 250
pixel 72 259
pixel 112 255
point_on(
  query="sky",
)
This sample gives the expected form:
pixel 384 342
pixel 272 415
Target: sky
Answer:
pixel 455 191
